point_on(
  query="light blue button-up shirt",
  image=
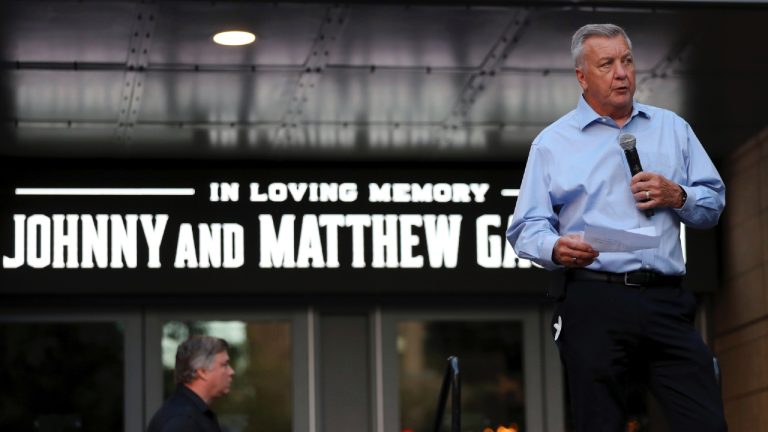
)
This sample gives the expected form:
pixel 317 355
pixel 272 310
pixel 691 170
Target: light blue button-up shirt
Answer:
pixel 577 175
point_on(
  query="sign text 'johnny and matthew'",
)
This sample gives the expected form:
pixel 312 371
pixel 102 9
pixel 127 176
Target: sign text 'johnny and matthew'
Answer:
pixel 380 240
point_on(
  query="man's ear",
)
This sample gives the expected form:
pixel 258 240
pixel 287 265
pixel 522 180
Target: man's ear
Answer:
pixel 201 374
pixel 581 78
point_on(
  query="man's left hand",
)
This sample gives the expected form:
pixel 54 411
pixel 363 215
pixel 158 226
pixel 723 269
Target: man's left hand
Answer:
pixel 653 190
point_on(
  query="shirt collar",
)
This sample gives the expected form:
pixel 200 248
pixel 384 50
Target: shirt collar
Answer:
pixel 585 115
pixel 197 401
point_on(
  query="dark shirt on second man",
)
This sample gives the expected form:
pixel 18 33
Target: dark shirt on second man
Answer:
pixel 185 411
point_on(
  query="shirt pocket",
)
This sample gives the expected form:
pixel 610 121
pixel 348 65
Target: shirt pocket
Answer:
pixel 666 164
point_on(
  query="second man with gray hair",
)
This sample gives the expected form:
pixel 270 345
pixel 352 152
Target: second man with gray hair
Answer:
pixel 202 374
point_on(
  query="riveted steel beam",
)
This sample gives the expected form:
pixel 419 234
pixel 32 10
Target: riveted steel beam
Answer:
pixel 665 68
pixel 290 130
pixel 452 130
pixel 136 65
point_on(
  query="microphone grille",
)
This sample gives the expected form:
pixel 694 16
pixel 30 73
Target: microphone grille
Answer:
pixel 627 141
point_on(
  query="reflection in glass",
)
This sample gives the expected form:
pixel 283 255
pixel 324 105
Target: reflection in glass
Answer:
pixel 260 352
pixel 61 377
pixel 491 364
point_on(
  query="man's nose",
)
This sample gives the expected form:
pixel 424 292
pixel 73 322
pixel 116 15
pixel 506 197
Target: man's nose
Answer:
pixel 620 71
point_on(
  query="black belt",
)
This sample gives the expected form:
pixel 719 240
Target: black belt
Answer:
pixel 640 278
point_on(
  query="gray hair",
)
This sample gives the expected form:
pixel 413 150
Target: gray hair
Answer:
pixel 197 352
pixel 590 30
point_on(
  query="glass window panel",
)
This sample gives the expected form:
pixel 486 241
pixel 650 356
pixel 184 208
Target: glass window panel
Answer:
pixel 260 352
pixel 61 377
pixel 491 365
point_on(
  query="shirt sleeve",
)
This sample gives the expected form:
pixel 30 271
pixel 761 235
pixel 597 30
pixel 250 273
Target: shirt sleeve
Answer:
pixel 533 231
pixel 704 187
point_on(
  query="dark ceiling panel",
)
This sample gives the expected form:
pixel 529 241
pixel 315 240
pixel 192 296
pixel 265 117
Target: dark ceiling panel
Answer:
pixel 351 81
pixel 514 141
pixel 389 96
pixel 333 141
pixel 529 98
pixel 166 141
pixel 420 36
pixel 667 92
pixel 58 140
pixel 64 95
pixel 546 44
pixel 728 101
pixel 215 97
pixel 66 31
pixel 728 43
pixel 184 32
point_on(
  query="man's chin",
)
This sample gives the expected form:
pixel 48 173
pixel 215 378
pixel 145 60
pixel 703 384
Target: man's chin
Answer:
pixel 622 100
pixel 622 105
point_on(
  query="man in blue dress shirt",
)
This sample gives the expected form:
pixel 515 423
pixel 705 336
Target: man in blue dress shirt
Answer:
pixel 621 317
pixel 202 374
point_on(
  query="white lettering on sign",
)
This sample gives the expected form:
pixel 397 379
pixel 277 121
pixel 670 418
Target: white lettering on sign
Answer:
pixel 37 235
pixel 427 192
pixel 442 235
pixel 218 246
pixel 224 192
pixel 394 240
pixel 358 223
pixel 381 240
pixel 493 250
pixel 299 192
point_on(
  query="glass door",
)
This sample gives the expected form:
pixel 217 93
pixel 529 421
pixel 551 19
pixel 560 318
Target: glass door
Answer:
pixel 502 360
pixel 268 352
pixel 70 371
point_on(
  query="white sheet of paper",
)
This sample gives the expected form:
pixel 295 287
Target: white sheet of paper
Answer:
pixel 613 240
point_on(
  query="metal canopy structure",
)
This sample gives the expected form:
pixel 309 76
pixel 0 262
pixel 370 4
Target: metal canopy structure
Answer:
pixel 355 81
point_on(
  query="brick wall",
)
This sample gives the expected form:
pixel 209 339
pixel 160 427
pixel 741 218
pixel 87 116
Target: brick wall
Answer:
pixel 741 306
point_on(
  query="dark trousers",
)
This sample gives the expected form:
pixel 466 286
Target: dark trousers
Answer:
pixel 612 336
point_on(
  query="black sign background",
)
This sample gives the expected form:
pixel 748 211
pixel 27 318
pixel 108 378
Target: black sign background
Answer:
pixel 467 278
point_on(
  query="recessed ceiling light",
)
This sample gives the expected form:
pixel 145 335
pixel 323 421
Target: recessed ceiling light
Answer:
pixel 233 38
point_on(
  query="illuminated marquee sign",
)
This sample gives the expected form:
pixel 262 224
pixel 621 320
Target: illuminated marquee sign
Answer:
pixel 288 240
pixel 73 228
pixel 264 229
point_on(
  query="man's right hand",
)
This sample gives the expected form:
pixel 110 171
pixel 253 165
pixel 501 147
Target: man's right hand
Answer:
pixel 571 252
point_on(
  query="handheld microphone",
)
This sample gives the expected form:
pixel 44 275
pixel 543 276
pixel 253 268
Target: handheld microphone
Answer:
pixel 628 143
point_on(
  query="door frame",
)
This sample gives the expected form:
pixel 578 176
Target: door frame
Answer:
pixel 132 347
pixel 302 354
pixel 543 378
